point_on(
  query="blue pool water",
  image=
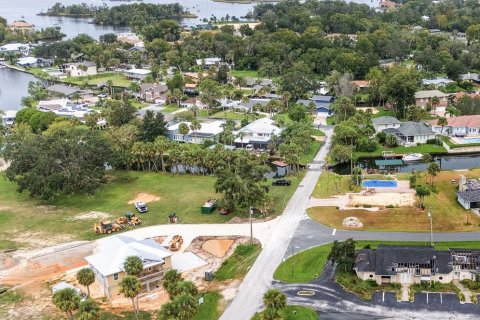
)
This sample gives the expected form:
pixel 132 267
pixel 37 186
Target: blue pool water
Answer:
pixel 379 183
pixel 471 140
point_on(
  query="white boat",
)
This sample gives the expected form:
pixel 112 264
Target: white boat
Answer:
pixel 412 157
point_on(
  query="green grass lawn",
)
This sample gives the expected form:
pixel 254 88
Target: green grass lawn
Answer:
pixel 183 194
pixel 308 264
pixel 291 312
pixel 283 116
pixel 308 157
pixel 330 184
pixel 382 112
pixel 119 80
pixel 237 265
pixel 138 104
pixel 209 308
pixel 169 108
pixel 245 73
pixel 233 115
pixel 422 148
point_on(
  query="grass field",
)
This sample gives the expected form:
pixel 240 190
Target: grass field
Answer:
pixel 448 214
pixel 330 184
pixel 237 265
pixel 245 73
pixel 22 217
pixel 308 265
pixel 308 157
pixel 119 80
pixel 169 108
pixel 422 148
pixel 291 312
pixel 209 308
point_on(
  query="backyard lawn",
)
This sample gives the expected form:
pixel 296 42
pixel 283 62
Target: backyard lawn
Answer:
pixel 233 115
pixel 245 73
pixel 169 108
pixel 209 308
pixel 308 265
pixel 70 218
pixel 422 148
pixel 330 184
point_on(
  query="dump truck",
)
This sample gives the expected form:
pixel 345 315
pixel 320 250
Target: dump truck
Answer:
pixel 106 227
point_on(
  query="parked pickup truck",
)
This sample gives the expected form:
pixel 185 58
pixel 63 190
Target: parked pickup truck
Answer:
pixel 141 207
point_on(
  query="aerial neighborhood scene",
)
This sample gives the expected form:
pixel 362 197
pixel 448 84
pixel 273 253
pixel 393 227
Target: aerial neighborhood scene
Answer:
pixel 239 159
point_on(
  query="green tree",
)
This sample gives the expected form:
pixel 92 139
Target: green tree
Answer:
pixel 67 300
pixel 153 126
pixel 183 128
pixel 442 122
pixel 86 277
pixel 119 113
pixel 133 266
pixel 210 92
pixel 421 192
pixel 171 280
pixel 297 112
pixel 130 288
pixel 343 253
pixel 391 140
pixel 274 299
pixel 88 310
pixel 298 80
pixel 473 33
pixel 432 170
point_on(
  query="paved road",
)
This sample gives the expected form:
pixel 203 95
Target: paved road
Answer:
pixel 249 297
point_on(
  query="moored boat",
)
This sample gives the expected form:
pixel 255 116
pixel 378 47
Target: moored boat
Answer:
pixel 412 157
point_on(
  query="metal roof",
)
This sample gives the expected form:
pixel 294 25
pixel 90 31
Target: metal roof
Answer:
pixel 390 162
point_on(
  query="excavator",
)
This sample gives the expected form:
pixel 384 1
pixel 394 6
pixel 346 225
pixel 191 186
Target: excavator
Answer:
pixel 106 227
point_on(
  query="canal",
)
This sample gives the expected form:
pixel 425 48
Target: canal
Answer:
pixel 13 86
pixel 446 162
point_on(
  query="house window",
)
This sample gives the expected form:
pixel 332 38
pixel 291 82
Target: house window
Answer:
pixel 115 276
pixel 440 278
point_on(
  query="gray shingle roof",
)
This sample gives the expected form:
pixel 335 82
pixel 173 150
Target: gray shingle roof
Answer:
pixel 414 129
pixel 385 120
pixel 63 89
pixel 470 195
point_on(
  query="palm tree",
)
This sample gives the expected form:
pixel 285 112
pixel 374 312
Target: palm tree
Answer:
pixel 240 82
pixel 109 84
pixel 67 300
pixel 435 103
pixel 195 126
pixel 170 280
pixel 432 170
pixel 161 145
pixel 130 287
pixel 177 95
pixel 76 96
pixel 286 96
pixel 135 88
pixel 442 121
pixel 86 277
pixel 275 299
pixel 183 129
pixel 88 310
pixel 133 266
pixel 241 135
pixel 186 306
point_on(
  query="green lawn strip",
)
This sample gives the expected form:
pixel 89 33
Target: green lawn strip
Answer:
pixel 282 194
pixel 383 113
pixel 474 287
pixel 119 80
pixel 237 265
pixel 8 299
pixel 331 121
pixel 142 315
pixel 169 108
pixel 317 132
pixel 245 73
pixel 422 148
pixel 308 264
pixel 308 157
pixel 292 312
pixel 330 184
pixel 8 245
pixel 233 115
pixel 209 308
pixel 283 116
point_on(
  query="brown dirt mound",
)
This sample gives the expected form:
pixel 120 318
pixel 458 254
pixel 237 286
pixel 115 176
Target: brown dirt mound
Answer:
pixel 219 247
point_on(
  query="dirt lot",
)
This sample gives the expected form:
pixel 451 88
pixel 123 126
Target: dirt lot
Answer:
pixel 144 197
pixel 382 199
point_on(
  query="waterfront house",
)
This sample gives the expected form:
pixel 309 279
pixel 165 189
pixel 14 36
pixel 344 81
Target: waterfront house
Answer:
pixel 412 133
pixel 65 108
pixel 424 98
pixel 28 62
pixel 137 74
pixel 63 90
pixel 151 92
pixel 322 104
pixel 258 134
pixel 21 26
pixel 437 82
pixel 382 123
pixel 208 131
pixel 8 118
pixel 414 264
pixel 15 48
pixel 107 264
pixel 458 126
pixel 79 69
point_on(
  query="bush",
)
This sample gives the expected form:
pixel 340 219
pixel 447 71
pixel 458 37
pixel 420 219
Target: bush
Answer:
pixel 432 141
pixel 366 144
pixel 381 136
pixel 390 206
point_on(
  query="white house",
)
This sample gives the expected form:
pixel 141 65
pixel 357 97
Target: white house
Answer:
pixel 258 134
pixel 8 118
pixel 137 74
pixel 65 108
pixel 382 123
pixel 458 126
pixel 437 82
pixel 80 69
pixel 208 131
pixel 208 61
pixel 414 133
pixel 15 48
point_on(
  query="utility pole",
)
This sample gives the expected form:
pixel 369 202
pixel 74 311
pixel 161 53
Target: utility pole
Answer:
pixel 251 225
pixel 431 229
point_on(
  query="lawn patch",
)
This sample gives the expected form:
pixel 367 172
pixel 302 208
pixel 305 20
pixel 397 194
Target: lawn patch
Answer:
pixel 245 73
pixel 291 312
pixel 209 308
pixel 238 264
pixel 330 184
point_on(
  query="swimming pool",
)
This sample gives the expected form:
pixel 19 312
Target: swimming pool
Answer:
pixel 470 140
pixel 379 183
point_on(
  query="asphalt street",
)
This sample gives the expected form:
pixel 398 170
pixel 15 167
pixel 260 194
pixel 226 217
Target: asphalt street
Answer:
pixel 249 296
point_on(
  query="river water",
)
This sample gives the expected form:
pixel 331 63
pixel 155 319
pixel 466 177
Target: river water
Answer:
pixel 446 162
pixel 13 86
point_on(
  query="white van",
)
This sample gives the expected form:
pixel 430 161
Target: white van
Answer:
pixel 249 147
